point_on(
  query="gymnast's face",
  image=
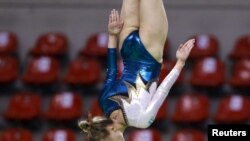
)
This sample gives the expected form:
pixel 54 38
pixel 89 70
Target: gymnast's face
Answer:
pixel 114 134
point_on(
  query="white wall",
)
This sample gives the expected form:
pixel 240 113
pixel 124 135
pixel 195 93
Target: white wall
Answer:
pixel 227 19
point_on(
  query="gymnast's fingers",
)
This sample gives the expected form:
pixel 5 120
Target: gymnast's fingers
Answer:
pixel 116 15
pixel 113 15
pixel 110 18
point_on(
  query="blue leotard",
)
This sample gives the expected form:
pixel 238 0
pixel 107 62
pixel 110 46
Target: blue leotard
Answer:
pixel 136 59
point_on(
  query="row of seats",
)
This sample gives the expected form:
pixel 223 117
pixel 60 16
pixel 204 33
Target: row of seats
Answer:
pixel 207 72
pixel 187 134
pixel 195 107
pixel 20 134
pixel 56 44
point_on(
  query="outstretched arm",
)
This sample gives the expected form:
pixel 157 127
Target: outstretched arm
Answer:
pixel 164 88
pixel 114 28
pixel 142 106
pixel 181 55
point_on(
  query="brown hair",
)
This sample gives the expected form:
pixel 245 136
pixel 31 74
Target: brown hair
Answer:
pixel 95 128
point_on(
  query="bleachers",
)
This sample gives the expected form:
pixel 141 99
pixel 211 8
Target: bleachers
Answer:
pixel 187 106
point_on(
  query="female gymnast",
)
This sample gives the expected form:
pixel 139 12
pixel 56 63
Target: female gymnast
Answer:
pixel 134 99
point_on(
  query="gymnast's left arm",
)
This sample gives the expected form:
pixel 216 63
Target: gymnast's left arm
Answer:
pixel 163 90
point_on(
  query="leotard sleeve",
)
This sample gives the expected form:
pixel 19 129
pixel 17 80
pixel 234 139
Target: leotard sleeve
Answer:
pixel 111 69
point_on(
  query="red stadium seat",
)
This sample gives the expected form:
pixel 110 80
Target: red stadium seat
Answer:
pixel 96 45
pixel 82 72
pixel 145 135
pixel 8 43
pixel 167 66
pixel 23 106
pixel 188 135
pixel 233 109
pixel 162 113
pixel 64 106
pixel 42 70
pixel 208 72
pixel 59 135
pixel 241 48
pixel 241 74
pixel 205 46
pixel 191 107
pixel 16 134
pixel 9 69
pixel 95 109
pixel 51 44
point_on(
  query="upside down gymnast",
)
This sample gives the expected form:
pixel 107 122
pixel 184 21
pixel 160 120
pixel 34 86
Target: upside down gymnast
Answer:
pixel 134 99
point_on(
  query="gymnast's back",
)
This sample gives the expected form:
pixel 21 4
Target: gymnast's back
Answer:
pixel 137 61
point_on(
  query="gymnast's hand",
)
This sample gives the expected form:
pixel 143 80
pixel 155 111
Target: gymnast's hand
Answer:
pixel 184 50
pixel 115 23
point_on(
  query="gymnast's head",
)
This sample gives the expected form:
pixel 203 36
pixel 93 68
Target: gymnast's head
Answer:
pixel 100 129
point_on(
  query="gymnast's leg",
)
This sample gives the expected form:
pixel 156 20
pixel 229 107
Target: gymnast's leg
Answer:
pixel 130 16
pixel 153 26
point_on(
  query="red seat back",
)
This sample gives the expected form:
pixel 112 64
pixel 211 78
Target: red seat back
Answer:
pixel 193 106
pixel 50 44
pixel 205 46
pixel 83 72
pixel 233 109
pixel 208 72
pixel 145 135
pixel 241 74
pixel 8 43
pixel 16 134
pixel 162 113
pixel 241 48
pixel 42 70
pixel 96 45
pixel 95 109
pixel 65 106
pixel 188 135
pixel 59 135
pixel 24 106
pixel 9 69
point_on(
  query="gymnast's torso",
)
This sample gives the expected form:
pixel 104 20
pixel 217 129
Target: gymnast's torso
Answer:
pixel 136 60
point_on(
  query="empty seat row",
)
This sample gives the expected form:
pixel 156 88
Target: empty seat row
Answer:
pixel 195 107
pixel 20 134
pixel 52 44
pixel 207 72
pixel 62 106
pixel 28 106
pixel 185 134
pixel 46 70
pixel 56 44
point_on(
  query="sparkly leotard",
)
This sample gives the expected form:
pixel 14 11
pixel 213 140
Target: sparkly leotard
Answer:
pixel 136 59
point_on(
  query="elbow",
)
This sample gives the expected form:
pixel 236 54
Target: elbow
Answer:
pixel 145 122
pixel 143 126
